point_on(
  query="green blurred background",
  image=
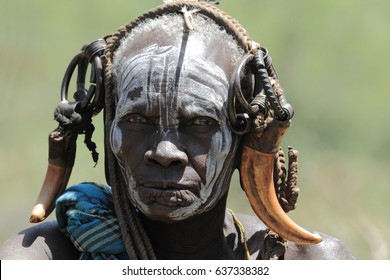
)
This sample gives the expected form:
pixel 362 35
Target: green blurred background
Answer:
pixel 332 58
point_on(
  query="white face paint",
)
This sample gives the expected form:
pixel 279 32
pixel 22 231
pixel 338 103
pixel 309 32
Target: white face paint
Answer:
pixel 170 134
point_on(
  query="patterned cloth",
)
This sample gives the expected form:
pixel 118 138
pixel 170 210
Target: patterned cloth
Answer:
pixel 85 213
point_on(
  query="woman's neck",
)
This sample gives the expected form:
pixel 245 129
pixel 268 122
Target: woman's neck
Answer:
pixel 201 237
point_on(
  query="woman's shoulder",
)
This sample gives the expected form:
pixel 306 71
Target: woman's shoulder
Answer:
pixel 43 241
pixel 329 249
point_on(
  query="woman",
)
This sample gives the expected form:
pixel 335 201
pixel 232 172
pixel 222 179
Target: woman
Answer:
pixel 188 98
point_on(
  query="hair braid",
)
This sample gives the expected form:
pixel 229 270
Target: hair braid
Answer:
pixel 286 182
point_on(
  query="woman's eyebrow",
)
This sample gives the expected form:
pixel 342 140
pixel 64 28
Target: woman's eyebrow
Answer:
pixel 194 109
pixel 129 106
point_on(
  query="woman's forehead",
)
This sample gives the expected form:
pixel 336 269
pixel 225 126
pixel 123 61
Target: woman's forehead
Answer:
pixel 156 80
pixel 208 40
pixel 162 64
pixel 162 70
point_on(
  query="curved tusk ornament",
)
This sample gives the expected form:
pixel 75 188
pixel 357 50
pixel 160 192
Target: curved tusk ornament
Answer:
pixel 256 175
pixel 53 186
pixel 62 150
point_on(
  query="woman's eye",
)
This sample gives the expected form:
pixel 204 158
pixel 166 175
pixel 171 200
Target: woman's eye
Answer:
pixel 137 119
pixel 136 122
pixel 203 121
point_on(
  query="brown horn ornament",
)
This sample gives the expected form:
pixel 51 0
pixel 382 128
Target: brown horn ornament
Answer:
pixel 62 151
pixel 256 175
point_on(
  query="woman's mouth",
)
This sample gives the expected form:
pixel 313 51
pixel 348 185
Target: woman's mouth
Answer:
pixel 172 195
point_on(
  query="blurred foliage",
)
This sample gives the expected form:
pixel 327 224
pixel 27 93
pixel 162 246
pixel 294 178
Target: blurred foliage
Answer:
pixel 331 56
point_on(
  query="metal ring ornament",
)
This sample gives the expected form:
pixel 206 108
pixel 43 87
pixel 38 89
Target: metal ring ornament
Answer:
pixel 283 110
pixel 93 97
pixel 240 123
pixel 262 69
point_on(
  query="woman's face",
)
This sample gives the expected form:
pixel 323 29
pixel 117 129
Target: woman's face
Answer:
pixel 170 134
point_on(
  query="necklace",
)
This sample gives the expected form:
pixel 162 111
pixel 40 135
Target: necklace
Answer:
pixel 242 230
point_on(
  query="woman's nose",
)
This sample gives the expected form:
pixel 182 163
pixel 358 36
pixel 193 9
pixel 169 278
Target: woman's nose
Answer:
pixel 166 154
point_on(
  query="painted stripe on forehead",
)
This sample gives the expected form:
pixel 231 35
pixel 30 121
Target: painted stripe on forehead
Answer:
pixel 168 97
pixel 154 71
pixel 155 56
pixel 134 70
pixel 200 77
pixel 166 71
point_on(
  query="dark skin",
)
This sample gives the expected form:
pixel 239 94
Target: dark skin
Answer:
pixel 178 241
pixel 210 235
pixel 169 126
pixel 172 139
pixel 45 242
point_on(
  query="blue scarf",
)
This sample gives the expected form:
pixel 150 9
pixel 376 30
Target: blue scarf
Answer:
pixel 85 213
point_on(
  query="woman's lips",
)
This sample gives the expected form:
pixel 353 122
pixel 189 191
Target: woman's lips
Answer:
pixel 168 194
